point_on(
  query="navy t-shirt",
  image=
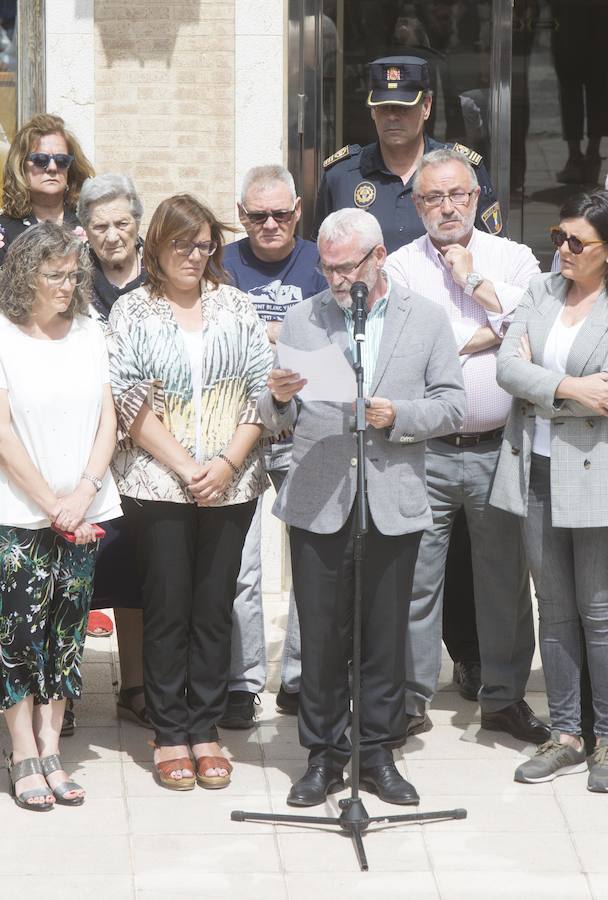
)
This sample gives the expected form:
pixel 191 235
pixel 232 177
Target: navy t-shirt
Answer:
pixel 275 286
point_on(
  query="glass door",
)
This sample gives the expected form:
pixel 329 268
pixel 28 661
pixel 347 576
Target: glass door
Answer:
pixel 466 42
pixel 560 112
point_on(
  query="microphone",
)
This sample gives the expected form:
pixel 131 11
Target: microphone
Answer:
pixel 359 292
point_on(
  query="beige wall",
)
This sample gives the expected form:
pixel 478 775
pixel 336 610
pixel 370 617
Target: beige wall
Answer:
pixel 165 97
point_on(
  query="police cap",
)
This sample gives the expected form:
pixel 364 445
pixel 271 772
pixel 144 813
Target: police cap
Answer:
pixel 399 80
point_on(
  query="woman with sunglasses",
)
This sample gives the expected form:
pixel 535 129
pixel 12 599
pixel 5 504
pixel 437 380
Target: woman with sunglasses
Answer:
pixel 57 435
pixel 188 358
pixel 553 472
pixel 44 171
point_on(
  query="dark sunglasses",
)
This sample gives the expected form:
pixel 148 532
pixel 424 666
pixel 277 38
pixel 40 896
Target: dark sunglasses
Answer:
pixel 187 248
pixel 43 160
pixel 559 236
pixel 279 215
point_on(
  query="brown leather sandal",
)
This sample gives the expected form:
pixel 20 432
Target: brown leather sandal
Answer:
pixel 212 782
pixel 163 771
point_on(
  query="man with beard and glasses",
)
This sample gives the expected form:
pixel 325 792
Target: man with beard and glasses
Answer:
pixel 478 279
pixel 379 178
pixel 413 385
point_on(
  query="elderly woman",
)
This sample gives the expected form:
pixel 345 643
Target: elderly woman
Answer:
pixel 188 358
pixel 57 434
pixel 552 473
pixel 110 211
pixel 43 174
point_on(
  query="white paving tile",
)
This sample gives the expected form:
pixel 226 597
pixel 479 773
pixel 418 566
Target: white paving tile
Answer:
pixel 332 851
pixel 218 887
pixel 507 885
pixel 371 885
pixel 184 862
pixel 59 887
pixel 461 850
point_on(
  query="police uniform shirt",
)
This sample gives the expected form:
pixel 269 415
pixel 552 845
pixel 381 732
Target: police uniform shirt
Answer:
pixel 358 177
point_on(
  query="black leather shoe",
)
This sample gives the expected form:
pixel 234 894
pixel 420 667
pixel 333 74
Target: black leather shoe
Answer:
pixel 288 704
pixel 389 785
pixel 314 786
pixel 467 677
pixel 240 710
pixel 417 724
pixel 519 721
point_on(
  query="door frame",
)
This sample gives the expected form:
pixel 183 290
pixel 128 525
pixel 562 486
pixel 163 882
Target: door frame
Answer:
pixel 305 101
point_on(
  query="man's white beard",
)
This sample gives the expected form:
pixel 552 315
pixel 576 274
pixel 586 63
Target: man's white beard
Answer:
pixel 344 302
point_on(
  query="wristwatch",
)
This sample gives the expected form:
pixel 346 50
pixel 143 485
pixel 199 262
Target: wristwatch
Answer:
pixel 473 280
pixel 97 482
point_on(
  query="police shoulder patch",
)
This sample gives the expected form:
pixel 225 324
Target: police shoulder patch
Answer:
pixel 473 157
pixel 492 218
pixel 338 155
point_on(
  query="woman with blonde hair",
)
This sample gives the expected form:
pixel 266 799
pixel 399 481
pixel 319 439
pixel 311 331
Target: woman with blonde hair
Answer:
pixel 43 174
pixel 188 358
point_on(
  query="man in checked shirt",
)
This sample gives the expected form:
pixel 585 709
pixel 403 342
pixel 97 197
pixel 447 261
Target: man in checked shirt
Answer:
pixel 479 279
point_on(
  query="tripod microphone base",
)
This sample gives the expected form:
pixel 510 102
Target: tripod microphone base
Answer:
pixel 353 820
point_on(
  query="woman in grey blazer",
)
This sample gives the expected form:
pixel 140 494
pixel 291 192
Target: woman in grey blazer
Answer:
pixel 553 472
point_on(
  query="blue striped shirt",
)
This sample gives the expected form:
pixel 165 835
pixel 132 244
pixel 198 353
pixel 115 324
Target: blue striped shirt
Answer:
pixel 373 335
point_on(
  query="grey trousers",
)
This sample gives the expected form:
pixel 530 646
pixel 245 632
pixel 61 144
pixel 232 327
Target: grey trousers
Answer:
pixel 570 571
pixel 462 478
pixel 248 656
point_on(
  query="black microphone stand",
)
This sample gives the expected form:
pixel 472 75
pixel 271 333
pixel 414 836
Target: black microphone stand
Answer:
pixel 354 819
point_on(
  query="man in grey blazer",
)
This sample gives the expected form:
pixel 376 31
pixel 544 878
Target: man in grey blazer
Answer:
pixel 414 389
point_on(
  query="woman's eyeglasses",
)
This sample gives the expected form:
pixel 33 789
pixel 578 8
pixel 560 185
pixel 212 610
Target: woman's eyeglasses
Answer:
pixel 279 215
pixel 559 236
pixel 187 248
pixel 43 160
pixel 57 279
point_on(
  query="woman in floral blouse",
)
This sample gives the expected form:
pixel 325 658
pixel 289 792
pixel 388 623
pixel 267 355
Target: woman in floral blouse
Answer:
pixel 188 357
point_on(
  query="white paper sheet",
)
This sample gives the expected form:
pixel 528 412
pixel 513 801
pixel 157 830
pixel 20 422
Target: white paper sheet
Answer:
pixel 328 373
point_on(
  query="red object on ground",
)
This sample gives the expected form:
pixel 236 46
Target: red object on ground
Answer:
pixel 99 625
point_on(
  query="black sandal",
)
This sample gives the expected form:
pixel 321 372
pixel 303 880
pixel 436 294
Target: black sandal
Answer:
pixel 125 708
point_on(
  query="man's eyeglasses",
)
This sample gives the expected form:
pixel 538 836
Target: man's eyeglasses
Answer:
pixel 43 160
pixel 57 279
pixel 456 198
pixel 187 248
pixel 559 236
pixel 279 215
pixel 345 269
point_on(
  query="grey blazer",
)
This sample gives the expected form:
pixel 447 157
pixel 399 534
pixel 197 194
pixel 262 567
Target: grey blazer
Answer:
pixel 579 437
pixel 417 369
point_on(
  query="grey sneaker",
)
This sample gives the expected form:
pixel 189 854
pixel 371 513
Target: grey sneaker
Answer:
pixel 598 768
pixel 552 759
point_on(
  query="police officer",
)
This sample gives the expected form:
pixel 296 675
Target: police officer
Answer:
pixel 379 177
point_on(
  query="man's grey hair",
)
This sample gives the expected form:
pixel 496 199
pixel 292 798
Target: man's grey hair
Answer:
pixel 344 224
pixel 439 158
pixel 267 176
pixel 105 189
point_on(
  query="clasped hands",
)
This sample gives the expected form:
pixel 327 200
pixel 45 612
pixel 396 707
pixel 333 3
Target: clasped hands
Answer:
pixel 207 482
pixel 285 384
pixel 68 512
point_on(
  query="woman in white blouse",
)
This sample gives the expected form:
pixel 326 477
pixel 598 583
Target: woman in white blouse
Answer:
pixel 553 472
pixel 57 434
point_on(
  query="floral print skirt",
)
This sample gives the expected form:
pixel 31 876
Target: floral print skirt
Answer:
pixel 46 584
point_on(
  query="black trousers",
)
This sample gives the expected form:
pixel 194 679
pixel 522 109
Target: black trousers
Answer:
pixel 322 568
pixel 459 622
pixel 188 561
